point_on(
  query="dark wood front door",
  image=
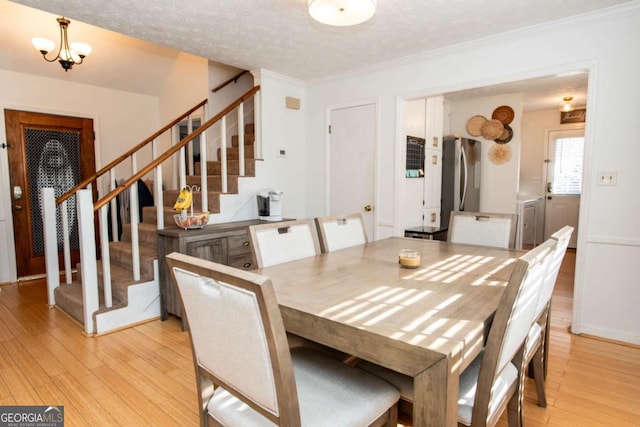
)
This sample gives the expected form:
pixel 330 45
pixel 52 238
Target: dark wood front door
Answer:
pixel 45 151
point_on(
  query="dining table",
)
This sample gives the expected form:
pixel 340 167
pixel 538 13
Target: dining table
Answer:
pixel 427 323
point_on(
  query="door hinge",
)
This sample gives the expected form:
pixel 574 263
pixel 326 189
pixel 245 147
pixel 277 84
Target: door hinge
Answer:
pixel 3 145
pixel 329 129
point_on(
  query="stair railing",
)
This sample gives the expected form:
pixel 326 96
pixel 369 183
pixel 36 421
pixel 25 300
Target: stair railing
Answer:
pixel 86 227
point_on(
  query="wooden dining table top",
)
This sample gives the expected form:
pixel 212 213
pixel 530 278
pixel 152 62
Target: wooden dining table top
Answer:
pixel 360 301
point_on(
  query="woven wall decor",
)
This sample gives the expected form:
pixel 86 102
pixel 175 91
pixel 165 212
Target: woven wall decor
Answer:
pixel 492 129
pixel 499 154
pixel 475 124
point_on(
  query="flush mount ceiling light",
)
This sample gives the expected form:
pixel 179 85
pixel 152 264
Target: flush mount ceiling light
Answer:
pixel 342 13
pixel 67 56
pixel 567 104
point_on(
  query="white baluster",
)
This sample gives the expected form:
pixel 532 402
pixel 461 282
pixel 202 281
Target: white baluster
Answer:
pixel 114 206
pixel 190 170
pixel 135 244
pixel 50 242
pixel 106 261
pixel 241 138
pixel 257 123
pixel 203 172
pixel 175 135
pixel 135 219
pixel 66 245
pixel 223 152
pixel 88 263
pixel 157 189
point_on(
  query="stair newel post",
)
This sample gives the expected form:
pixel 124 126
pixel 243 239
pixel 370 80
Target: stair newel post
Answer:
pixel 190 169
pixel 223 153
pixel 257 123
pixel 203 172
pixel 135 218
pixel 106 260
pixel 88 262
pixel 66 246
pixel 241 138
pixel 114 206
pixel 50 242
pixel 157 188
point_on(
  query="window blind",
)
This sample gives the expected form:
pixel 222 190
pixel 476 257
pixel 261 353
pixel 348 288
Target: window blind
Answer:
pixel 567 161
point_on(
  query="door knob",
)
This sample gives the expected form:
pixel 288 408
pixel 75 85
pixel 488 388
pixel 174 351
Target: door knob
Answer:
pixel 18 207
pixel 368 208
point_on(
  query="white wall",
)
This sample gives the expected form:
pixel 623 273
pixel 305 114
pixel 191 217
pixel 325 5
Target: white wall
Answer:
pixel 609 225
pixel 535 127
pixel 121 119
pixel 498 183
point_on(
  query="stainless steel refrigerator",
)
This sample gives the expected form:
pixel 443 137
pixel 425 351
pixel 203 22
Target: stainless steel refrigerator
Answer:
pixel 460 176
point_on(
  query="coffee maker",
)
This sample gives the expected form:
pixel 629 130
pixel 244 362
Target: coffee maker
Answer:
pixel 270 205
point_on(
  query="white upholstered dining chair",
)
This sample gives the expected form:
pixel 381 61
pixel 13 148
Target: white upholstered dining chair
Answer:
pixel 340 231
pixel 482 228
pixel 537 348
pixel 493 380
pixel 279 242
pixel 245 372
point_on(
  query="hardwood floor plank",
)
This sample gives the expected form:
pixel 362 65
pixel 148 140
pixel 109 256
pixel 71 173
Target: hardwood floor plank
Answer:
pixel 41 355
pixel 20 388
pixel 120 385
pixel 26 363
pixel 81 399
pixel 111 401
pixel 52 395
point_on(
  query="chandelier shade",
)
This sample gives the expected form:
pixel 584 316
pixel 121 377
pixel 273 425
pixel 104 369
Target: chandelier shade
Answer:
pixel 342 13
pixel 68 55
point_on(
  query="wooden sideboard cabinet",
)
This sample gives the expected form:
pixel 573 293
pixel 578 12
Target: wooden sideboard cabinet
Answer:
pixel 225 243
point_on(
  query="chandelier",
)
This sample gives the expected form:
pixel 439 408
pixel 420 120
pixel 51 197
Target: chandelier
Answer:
pixel 341 13
pixel 67 56
pixel 567 104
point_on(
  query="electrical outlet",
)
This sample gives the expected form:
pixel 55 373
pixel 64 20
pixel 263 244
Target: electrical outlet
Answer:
pixel 608 178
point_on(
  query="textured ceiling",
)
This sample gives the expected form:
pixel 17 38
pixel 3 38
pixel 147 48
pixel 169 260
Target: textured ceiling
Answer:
pixel 276 35
pixel 279 35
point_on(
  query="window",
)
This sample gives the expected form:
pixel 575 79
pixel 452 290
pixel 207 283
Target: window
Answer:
pixel 567 165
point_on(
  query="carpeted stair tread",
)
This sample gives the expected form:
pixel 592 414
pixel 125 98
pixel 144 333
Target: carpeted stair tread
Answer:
pixel 233 167
pixel 147 234
pixel 214 183
pixel 69 299
pixel 120 254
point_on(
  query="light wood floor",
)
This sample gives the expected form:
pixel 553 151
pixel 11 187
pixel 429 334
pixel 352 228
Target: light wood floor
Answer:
pixel 144 375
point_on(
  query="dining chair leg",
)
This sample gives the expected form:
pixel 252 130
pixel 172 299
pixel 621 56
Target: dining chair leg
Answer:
pixel 514 410
pixel 393 416
pixel 538 375
pixel 545 341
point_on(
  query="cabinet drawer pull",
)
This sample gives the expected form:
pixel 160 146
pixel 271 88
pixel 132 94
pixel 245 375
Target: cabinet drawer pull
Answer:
pixel 245 243
pixel 247 265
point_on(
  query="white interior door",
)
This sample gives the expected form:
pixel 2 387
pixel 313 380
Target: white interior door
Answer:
pixel 565 156
pixel 352 163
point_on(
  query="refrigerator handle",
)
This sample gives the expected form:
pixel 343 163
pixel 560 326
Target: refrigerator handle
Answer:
pixel 466 178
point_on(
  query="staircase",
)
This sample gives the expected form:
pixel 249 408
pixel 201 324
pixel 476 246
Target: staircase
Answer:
pixel 127 299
